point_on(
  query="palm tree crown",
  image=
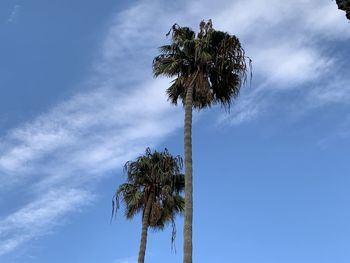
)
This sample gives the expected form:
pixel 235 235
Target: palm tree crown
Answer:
pixel 213 63
pixel 157 176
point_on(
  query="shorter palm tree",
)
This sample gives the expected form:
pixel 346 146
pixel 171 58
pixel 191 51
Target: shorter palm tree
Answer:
pixel 154 186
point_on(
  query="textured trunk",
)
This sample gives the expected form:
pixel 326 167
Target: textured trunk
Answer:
pixel 145 221
pixel 188 177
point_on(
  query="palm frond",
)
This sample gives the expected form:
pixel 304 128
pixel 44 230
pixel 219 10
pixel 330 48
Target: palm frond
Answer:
pixel 216 55
pixel 154 175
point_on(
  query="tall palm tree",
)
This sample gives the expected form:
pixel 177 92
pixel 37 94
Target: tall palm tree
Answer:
pixel 154 185
pixel 208 68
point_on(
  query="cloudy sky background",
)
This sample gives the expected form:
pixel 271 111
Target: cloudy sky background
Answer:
pixel 78 100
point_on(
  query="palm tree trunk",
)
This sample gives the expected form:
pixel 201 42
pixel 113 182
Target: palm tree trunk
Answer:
pixel 145 223
pixel 188 177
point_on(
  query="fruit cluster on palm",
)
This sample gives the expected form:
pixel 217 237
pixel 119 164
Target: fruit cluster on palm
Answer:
pixel 153 188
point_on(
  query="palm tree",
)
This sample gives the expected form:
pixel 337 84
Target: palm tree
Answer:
pixel 154 185
pixel 208 68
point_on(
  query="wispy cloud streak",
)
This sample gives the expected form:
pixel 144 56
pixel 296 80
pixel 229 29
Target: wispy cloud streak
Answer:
pixel 286 41
pixel 84 138
pixel 39 216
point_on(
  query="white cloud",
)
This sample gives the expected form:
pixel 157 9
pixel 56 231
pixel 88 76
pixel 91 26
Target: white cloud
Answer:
pixel 74 139
pixel 255 18
pixel 88 136
pixel 288 44
pixel 289 65
pixel 337 90
pixel 90 128
pixel 36 218
pixel 326 20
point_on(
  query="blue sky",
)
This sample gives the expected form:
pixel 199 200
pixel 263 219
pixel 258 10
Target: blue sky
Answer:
pixel 78 100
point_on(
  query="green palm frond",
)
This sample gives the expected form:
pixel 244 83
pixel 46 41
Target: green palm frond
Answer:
pixel 158 173
pixel 216 56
